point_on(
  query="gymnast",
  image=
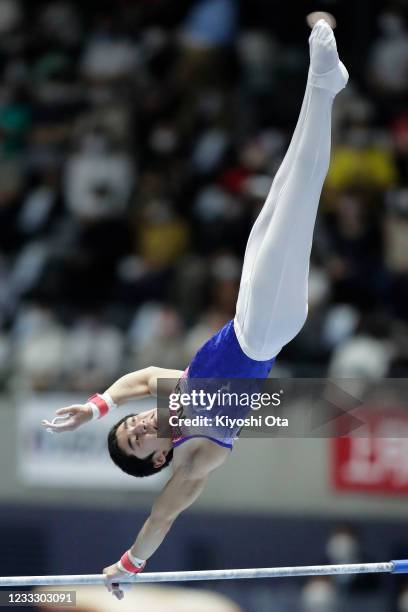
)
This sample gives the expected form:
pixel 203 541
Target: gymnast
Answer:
pixel 271 310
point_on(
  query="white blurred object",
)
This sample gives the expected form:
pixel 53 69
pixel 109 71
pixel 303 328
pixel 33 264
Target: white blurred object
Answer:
pixel 145 325
pixel 318 595
pixel 257 50
pixel 36 208
pixel 361 357
pixel 157 338
pixel 257 186
pixel 213 203
pixel 340 323
pixel 210 23
pixel 88 172
pixel 93 345
pixel 131 268
pixel 209 149
pixel 40 355
pixel 342 548
pixel 389 58
pixel 226 267
pixel 108 58
pixel 30 321
pixel 318 287
pixel 10 15
pixel 259 55
pixel 29 266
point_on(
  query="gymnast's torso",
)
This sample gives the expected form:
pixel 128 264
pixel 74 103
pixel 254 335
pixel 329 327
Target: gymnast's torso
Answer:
pixel 221 357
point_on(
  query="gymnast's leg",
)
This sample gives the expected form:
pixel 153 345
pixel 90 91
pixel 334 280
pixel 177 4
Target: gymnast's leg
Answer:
pixel 272 301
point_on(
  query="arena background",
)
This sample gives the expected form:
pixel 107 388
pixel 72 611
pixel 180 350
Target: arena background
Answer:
pixel 138 141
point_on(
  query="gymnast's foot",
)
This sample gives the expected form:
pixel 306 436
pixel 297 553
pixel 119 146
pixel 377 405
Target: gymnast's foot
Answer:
pixel 326 69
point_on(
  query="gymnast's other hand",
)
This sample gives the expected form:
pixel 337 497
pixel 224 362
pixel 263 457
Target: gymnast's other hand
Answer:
pixel 69 418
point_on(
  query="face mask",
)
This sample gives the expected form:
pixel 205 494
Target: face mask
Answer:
pixel 318 596
pixel 341 548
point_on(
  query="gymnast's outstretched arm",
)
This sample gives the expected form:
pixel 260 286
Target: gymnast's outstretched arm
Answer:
pixel 180 492
pixel 135 385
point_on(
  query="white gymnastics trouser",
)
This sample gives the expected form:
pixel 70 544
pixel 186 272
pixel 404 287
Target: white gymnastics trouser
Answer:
pixel 272 300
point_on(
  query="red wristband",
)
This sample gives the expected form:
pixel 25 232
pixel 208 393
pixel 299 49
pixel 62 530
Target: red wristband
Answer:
pixel 100 403
pixel 129 566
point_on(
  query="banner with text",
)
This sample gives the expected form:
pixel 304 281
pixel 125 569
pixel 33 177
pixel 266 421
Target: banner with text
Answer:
pixel 376 462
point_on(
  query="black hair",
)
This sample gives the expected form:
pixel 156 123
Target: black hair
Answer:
pixel 130 464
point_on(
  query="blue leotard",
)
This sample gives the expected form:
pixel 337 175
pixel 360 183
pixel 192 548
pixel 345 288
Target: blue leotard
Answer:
pixel 222 357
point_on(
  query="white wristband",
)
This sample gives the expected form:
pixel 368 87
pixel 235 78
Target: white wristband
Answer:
pixel 122 569
pixel 135 560
pixel 109 401
pixel 95 410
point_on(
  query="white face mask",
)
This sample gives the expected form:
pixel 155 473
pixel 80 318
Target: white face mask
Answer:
pixel 318 596
pixel 342 548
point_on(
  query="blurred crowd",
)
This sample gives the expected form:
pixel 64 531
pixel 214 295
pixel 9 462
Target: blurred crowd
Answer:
pixel 138 141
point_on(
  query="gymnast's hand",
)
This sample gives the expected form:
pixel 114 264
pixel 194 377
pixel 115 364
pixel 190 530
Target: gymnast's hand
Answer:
pixel 69 418
pixel 112 574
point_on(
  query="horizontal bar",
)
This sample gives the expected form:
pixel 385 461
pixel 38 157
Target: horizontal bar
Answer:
pixel 227 574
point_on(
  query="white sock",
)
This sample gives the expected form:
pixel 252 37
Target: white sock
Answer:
pixel 323 48
pixel 326 70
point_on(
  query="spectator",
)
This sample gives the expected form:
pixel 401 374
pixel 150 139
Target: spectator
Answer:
pixel 402 602
pixel 40 342
pixel 389 56
pixel 368 354
pixel 164 344
pixel 362 161
pixel 10 16
pixel 163 236
pixel 93 353
pixel 344 547
pixel 319 595
pixel 109 55
pixel 98 180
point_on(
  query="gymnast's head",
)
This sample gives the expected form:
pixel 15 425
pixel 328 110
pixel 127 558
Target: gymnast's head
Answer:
pixel 134 446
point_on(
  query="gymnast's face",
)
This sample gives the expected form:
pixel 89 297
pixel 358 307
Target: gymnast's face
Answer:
pixel 137 436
